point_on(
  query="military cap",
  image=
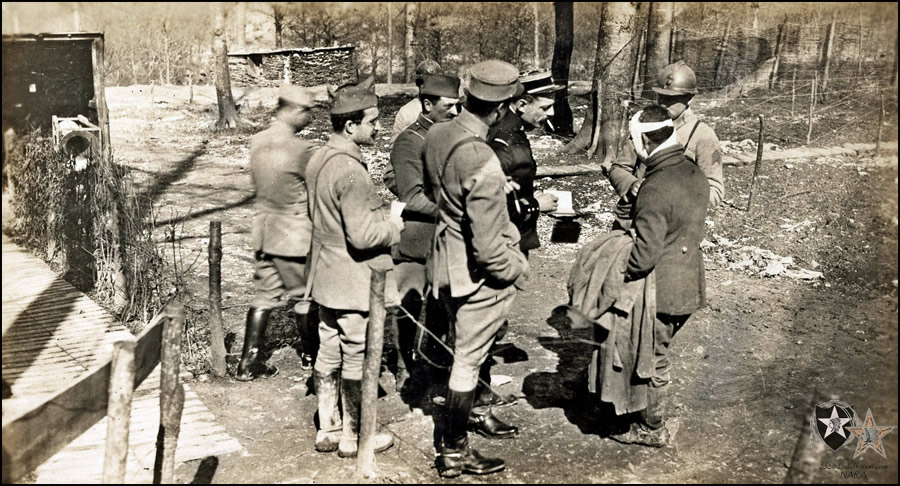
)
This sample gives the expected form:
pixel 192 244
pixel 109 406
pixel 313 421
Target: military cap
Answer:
pixel 493 80
pixel 539 83
pixel 295 95
pixel 440 85
pixel 348 99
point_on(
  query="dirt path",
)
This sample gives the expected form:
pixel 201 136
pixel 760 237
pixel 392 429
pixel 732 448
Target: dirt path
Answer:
pixel 745 367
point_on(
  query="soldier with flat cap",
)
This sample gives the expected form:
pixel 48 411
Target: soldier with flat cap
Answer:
pixel 405 177
pixel 409 112
pixel 281 229
pixel 675 87
pixel 351 237
pixel 475 263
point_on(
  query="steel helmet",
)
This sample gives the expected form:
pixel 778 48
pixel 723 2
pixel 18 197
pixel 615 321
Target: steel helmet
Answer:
pixel 676 79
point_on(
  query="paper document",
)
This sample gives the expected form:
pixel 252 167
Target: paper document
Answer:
pixel 397 209
pixel 563 203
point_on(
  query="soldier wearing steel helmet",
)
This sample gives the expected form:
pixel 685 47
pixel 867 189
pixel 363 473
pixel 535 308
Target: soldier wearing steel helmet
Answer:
pixel 676 87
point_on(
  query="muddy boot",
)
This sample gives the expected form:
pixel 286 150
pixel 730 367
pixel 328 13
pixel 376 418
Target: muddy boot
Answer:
pixel 651 429
pixel 308 329
pixel 328 391
pixel 250 366
pixel 351 394
pixel 456 457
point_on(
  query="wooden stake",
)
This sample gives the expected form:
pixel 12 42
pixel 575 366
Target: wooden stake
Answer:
pixel 880 123
pixel 216 333
pixel 812 104
pixel 759 152
pixel 121 389
pixel 171 397
pixel 365 464
pixel 828 48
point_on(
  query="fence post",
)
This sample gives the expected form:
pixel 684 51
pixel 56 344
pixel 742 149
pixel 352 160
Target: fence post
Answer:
pixel 812 104
pixel 121 389
pixel 171 396
pixel 759 152
pixel 216 333
pixel 365 464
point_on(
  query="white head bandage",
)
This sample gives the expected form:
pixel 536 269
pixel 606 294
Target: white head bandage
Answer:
pixel 637 128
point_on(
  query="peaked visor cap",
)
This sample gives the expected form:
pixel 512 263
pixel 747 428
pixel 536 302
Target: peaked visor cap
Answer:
pixel 440 85
pixel 539 83
pixel 493 80
pixel 349 99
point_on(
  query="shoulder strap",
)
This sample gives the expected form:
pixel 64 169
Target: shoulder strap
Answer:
pixel 447 160
pixel 314 199
pixel 691 135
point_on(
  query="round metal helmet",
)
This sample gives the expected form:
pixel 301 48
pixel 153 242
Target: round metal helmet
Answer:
pixel 427 67
pixel 676 79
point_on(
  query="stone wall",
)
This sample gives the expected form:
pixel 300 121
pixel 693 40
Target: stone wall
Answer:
pixel 306 67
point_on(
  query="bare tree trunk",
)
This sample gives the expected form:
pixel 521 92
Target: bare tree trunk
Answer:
pixel 537 36
pixel 410 65
pixel 228 117
pixel 779 42
pixel 76 16
pixel 617 49
pixel 278 16
pixel 562 58
pixel 828 48
pixel 894 71
pixel 241 25
pixel 374 53
pixel 659 39
pixel 755 28
pixel 390 43
pixel 165 31
pixel 720 59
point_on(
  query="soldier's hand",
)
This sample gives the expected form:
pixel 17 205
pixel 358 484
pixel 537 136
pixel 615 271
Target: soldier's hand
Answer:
pixel 633 192
pixel 510 186
pixel 547 202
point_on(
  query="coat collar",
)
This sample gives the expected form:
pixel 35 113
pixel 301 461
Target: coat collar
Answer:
pixel 425 121
pixel 665 158
pixel 345 145
pixel 686 117
pixel 471 124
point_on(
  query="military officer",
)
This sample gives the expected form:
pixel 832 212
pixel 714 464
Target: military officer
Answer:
pixel 409 112
pixel 405 177
pixel 281 228
pixel 676 87
pixel 668 221
pixel 351 236
pixel 475 262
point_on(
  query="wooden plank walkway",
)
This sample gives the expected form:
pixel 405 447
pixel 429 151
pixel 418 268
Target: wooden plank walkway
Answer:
pixel 52 334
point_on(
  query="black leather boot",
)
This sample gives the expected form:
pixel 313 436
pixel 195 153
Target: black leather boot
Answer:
pixel 456 457
pixel 487 425
pixel 328 390
pixel 250 366
pixel 308 329
pixel 351 398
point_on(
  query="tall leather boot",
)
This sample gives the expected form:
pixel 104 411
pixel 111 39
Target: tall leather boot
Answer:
pixel 308 329
pixel 650 430
pixel 456 457
pixel 404 332
pixel 250 366
pixel 351 397
pixel 328 390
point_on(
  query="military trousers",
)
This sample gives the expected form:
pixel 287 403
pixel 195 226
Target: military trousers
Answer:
pixel 342 342
pixel 477 320
pixel 276 277
pixel 666 327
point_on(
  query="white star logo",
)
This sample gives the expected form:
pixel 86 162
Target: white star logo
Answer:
pixel 835 424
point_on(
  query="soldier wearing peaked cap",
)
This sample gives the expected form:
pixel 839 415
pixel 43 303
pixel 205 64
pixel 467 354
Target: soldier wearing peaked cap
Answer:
pixel 475 263
pixel 405 177
pixel 281 230
pixel 351 236
pixel 409 112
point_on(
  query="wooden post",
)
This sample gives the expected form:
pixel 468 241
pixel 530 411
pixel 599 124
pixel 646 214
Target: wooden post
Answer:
pixel 171 396
pixel 812 104
pixel 191 88
pixel 880 124
pixel 365 464
pixel 216 333
pixel 759 152
pixel 720 59
pixel 793 91
pixel 778 43
pixel 828 47
pixel 121 389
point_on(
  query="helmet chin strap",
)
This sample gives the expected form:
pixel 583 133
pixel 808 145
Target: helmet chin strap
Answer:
pixel 639 128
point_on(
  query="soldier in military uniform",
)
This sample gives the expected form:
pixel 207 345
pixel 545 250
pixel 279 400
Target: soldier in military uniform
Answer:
pixel 351 237
pixel 281 229
pixel 676 87
pixel 476 262
pixel 405 177
pixel 409 112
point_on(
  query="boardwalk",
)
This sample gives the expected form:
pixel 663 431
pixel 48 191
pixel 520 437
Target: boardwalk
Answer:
pixel 52 334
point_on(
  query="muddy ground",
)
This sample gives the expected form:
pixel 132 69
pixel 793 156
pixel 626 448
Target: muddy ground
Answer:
pixel 745 367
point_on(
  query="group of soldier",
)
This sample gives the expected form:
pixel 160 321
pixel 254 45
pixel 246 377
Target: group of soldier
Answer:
pixel 462 163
